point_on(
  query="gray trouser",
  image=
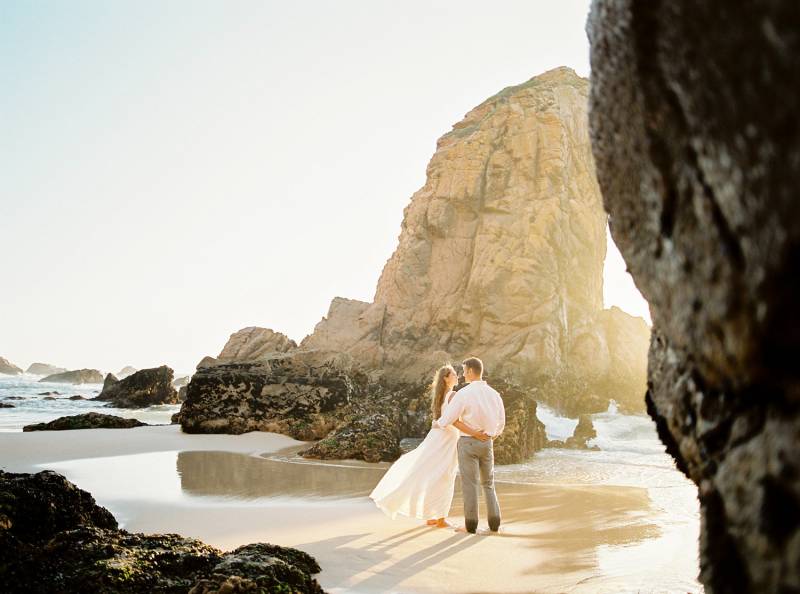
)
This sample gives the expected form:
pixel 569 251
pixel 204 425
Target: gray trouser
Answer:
pixel 476 463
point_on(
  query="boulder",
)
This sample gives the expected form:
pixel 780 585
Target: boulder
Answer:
pixel 6 405
pixel 90 420
pixel 253 344
pixel 77 397
pixel 53 393
pixel 110 381
pixel 9 368
pixel 293 395
pixel 44 369
pixel 696 137
pixel 524 433
pixel 206 361
pixel 179 382
pixel 144 388
pixel 54 537
pixel 373 439
pixel 126 371
pixel 78 376
pixel 584 431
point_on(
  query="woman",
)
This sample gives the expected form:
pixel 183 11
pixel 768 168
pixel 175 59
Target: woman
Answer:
pixel 420 483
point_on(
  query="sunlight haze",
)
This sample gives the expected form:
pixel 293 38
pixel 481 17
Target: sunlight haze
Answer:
pixel 173 172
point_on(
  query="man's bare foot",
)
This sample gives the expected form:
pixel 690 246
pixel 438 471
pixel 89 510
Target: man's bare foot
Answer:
pixel 463 530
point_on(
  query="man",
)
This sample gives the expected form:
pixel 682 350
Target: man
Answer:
pixel 480 406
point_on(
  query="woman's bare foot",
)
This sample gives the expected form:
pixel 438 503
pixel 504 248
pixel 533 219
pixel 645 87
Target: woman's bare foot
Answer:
pixel 443 523
pixel 432 522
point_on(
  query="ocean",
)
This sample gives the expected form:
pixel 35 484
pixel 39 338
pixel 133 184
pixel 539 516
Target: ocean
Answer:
pixel 27 394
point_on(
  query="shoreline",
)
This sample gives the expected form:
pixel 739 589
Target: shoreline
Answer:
pixel 231 490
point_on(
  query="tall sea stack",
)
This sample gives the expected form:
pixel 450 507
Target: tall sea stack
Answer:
pixel 500 255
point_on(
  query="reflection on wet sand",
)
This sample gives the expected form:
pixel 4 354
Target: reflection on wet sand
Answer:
pixel 228 474
pixel 565 522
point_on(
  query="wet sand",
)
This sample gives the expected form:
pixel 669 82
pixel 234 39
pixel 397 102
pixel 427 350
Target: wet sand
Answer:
pixel 233 490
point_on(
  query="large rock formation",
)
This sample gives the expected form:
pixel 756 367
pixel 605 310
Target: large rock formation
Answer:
pixel 501 252
pixel 78 376
pixel 697 141
pixel 8 368
pixel 44 369
pixel 146 387
pixel 90 420
pixel 500 255
pixel 55 538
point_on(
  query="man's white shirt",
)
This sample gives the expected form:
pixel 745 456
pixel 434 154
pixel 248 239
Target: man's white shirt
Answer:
pixel 479 406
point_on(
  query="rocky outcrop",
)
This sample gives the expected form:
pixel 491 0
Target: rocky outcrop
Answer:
pixel 253 344
pixel 179 382
pixel 524 433
pixel 695 134
pixel 90 420
pixel 125 372
pixel 584 431
pixel 55 538
pixel 8 368
pixel 303 395
pixel 373 438
pixel 206 361
pixel 110 381
pixel 78 376
pixel 6 405
pixel 144 388
pixel 44 369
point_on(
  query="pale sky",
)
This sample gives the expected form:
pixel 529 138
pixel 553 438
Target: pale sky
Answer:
pixel 171 172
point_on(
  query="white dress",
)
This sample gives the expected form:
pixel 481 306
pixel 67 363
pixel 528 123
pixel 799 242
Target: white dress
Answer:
pixel 420 483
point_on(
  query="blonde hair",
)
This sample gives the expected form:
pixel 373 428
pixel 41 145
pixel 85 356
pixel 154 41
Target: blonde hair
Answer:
pixel 439 389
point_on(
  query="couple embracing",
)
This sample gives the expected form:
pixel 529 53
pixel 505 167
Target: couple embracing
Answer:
pixel 420 483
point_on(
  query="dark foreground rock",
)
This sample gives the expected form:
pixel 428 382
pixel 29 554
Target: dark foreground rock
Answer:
pixel 6 405
pixel 78 376
pixel 90 420
pixel 54 538
pixel 696 137
pixel 143 388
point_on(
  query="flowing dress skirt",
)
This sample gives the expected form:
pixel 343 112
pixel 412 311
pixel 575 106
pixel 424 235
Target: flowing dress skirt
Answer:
pixel 420 483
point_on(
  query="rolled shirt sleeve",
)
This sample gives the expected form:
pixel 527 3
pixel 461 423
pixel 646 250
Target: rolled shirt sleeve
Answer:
pixel 501 424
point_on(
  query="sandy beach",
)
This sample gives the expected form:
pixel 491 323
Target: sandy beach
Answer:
pixel 232 490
